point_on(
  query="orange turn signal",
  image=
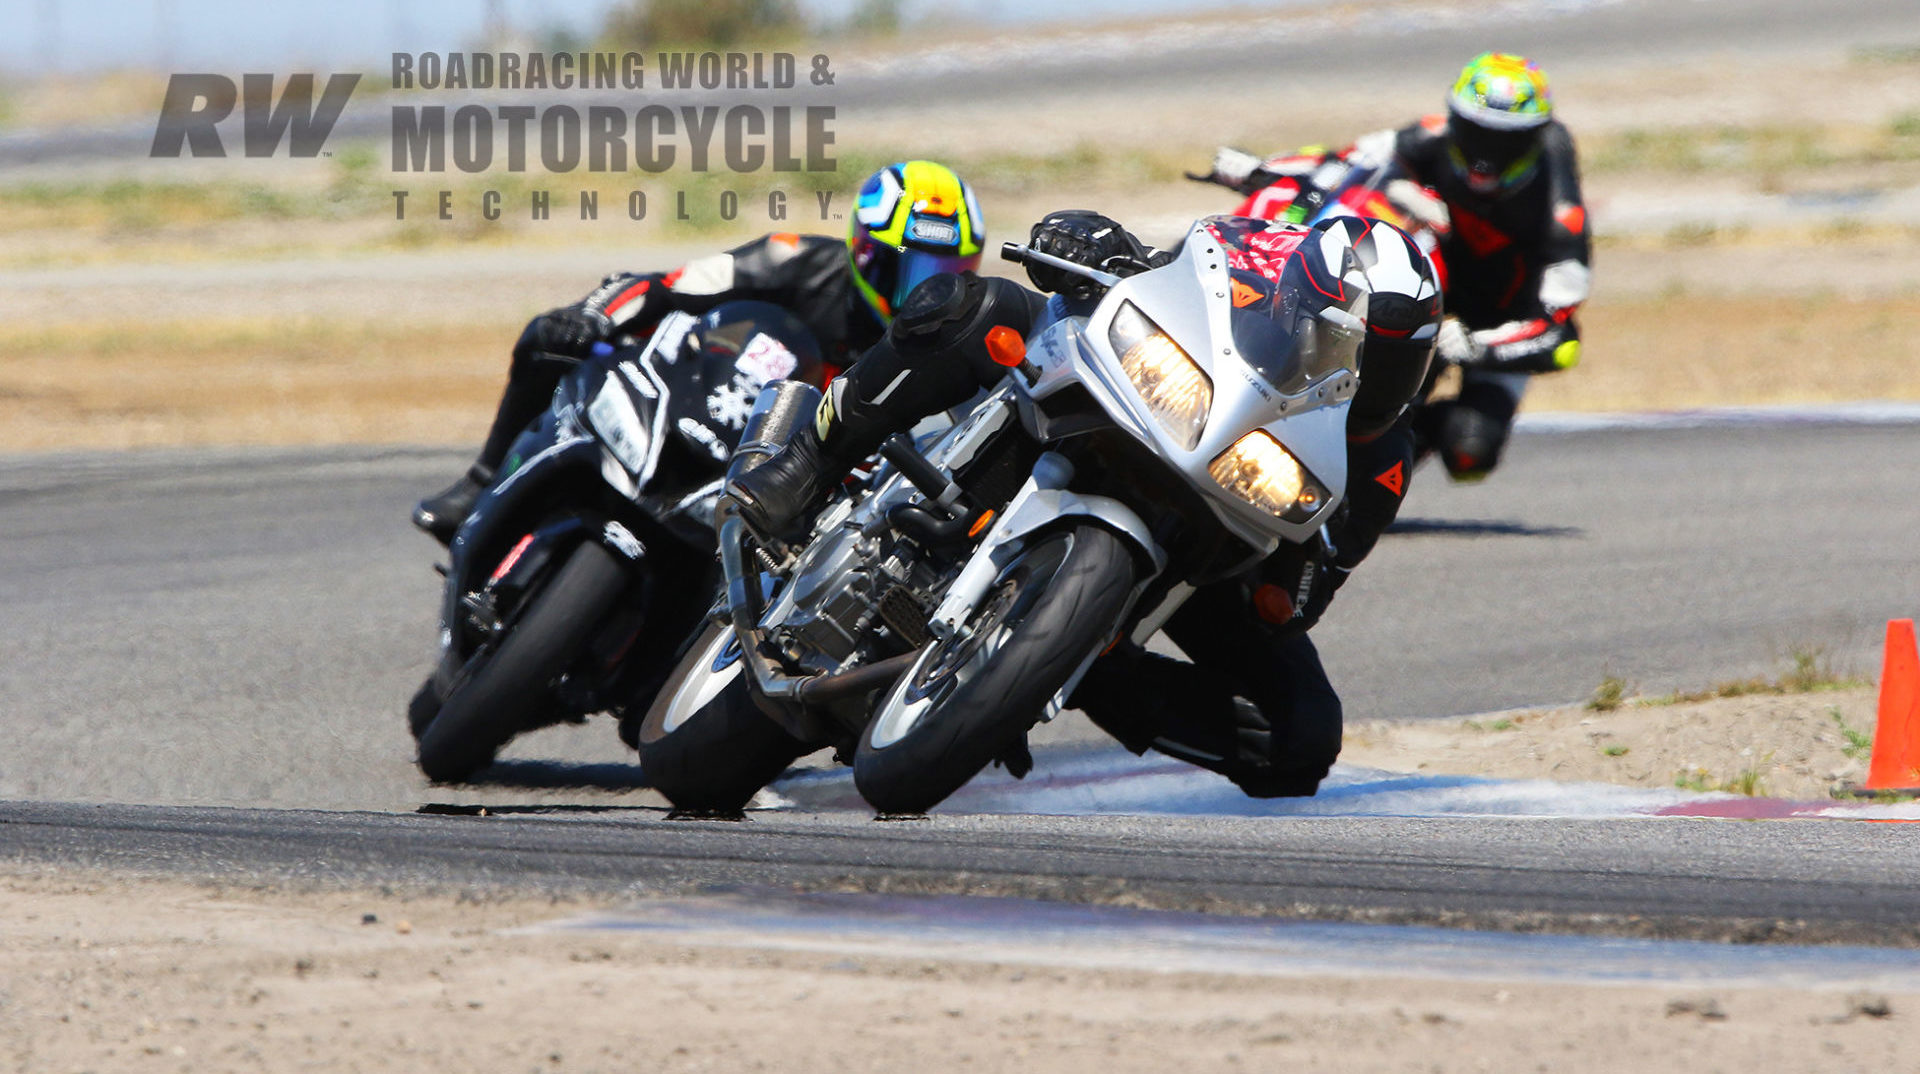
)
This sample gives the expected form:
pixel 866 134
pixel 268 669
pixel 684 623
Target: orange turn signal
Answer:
pixel 1005 346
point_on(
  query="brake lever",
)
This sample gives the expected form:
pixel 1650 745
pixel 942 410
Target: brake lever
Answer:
pixel 1024 255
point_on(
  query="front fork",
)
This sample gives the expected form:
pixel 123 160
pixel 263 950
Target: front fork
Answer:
pixel 1043 504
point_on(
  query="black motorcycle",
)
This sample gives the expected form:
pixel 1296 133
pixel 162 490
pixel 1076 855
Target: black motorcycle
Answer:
pixel 591 558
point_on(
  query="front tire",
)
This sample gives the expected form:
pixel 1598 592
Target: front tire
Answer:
pixel 703 744
pixel 423 708
pixel 512 686
pixel 964 702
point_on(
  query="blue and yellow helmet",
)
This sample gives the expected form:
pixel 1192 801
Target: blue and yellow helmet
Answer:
pixel 912 220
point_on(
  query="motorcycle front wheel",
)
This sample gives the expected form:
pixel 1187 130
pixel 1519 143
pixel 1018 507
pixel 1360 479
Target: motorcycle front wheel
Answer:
pixel 703 744
pixel 511 687
pixel 978 692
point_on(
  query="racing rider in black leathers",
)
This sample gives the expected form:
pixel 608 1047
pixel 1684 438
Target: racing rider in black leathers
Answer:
pixel 912 220
pixel 1513 239
pixel 1255 704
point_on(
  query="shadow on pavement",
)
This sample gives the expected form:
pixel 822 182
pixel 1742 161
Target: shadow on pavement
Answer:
pixel 559 775
pixel 1478 527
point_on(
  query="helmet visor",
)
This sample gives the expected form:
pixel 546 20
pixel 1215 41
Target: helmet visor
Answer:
pixel 918 265
pixel 1490 150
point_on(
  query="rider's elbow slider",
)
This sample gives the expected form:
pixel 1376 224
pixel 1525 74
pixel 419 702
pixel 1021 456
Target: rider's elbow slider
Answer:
pixel 952 315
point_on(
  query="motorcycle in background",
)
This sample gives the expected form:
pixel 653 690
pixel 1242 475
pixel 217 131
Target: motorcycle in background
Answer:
pixel 590 558
pixel 1306 188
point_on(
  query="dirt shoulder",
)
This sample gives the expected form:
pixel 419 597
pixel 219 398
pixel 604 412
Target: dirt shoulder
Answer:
pixel 1796 746
pixel 155 975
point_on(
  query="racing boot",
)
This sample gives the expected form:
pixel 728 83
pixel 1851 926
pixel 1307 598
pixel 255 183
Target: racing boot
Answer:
pixel 777 494
pixel 527 393
pixel 934 357
pixel 441 514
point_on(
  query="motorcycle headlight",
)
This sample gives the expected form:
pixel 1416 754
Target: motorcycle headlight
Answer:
pixel 619 426
pixel 1263 473
pixel 1169 382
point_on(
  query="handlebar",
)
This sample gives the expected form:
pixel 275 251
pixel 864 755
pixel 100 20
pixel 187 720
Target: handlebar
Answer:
pixel 1024 255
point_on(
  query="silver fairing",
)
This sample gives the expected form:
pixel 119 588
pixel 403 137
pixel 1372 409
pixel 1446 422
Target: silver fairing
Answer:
pixel 1310 423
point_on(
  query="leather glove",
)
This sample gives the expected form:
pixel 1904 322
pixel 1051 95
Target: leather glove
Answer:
pixel 1085 238
pixel 1455 345
pixel 1373 150
pixel 1233 167
pixel 568 332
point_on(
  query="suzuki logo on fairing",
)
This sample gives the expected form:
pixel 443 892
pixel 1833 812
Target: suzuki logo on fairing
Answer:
pixel 196 103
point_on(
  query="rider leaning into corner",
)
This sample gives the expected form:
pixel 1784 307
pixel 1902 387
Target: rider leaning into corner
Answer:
pixel 1514 241
pixel 913 220
pixel 1255 704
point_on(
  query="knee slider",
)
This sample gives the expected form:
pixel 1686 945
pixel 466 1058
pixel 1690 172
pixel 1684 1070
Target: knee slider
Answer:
pixel 1269 783
pixel 1471 442
pixel 950 315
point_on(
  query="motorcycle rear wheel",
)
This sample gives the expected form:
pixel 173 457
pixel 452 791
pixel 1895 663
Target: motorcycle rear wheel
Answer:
pixel 512 687
pixel 965 701
pixel 703 744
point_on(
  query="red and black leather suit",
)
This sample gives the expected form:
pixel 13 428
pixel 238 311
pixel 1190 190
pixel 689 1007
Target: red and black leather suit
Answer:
pixel 1518 267
pixel 1517 271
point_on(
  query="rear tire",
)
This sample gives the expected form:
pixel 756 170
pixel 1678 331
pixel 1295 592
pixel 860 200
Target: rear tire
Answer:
pixel 964 703
pixel 511 689
pixel 704 745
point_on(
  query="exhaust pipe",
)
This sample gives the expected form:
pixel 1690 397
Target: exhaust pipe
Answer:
pixel 778 411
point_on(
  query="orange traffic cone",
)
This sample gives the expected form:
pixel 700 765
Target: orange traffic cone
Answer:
pixel 1896 738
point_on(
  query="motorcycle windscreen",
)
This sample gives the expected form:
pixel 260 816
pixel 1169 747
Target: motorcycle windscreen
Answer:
pixel 1294 333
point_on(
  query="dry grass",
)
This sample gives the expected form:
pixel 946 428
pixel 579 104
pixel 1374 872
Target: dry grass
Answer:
pixel 249 382
pixel 1689 351
pixel 238 381
pixel 179 376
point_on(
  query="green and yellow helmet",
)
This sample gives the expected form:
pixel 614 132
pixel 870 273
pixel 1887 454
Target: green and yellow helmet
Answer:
pixel 1496 111
pixel 912 220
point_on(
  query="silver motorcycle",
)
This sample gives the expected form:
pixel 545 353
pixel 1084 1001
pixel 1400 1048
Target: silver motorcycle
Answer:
pixel 1171 431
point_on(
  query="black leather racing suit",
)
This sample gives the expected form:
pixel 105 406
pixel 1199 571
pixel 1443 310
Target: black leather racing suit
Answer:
pixel 1254 703
pixel 809 275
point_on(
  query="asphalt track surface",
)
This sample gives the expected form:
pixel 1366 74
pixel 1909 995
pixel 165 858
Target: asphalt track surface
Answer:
pixel 242 629
pixel 1844 882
